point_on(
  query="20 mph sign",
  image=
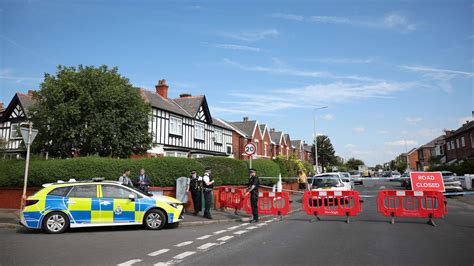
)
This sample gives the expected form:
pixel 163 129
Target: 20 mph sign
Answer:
pixel 250 149
pixel 427 181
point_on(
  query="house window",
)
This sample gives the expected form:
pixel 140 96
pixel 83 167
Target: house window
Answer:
pixel 472 141
pixel 265 149
pixel 176 154
pixel 199 131
pixel 452 144
pixel 176 126
pixel 14 131
pixel 457 143
pixel 229 149
pixel 218 135
pixel 448 146
pixel 463 143
pixel 256 147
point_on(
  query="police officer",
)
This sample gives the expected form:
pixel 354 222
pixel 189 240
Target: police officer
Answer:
pixel 195 186
pixel 252 189
pixel 208 186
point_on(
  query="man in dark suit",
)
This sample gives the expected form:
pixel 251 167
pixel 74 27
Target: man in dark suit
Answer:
pixel 143 181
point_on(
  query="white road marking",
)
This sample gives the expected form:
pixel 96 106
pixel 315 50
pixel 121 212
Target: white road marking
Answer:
pixel 245 224
pixel 204 237
pixel 251 227
pixel 159 252
pixel 161 264
pixel 233 227
pixel 220 232
pixel 183 255
pixel 183 244
pixel 225 238
pixel 130 262
pixel 240 232
pixel 206 246
pixel 368 196
pixel 261 224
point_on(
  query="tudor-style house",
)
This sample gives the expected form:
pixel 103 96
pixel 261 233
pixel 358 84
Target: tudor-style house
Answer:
pixel 11 117
pixel 184 127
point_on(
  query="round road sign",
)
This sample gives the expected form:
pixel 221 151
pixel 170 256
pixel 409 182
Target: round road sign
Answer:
pixel 250 149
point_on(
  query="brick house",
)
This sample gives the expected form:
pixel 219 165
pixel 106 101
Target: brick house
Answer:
pixel 413 158
pixel 287 147
pixel 307 150
pixel 278 142
pixel 254 133
pixel 297 146
pixel 460 143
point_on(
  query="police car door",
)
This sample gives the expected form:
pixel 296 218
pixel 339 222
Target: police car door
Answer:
pixel 82 204
pixel 116 206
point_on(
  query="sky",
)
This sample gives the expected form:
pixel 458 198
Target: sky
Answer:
pixel 394 74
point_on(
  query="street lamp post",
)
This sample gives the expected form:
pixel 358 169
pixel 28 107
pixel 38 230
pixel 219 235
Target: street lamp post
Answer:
pixel 316 139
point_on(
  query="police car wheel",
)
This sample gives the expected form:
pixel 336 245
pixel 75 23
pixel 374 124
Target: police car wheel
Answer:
pixel 55 223
pixel 154 219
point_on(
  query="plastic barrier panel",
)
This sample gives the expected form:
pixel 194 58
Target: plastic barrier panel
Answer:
pixel 230 197
pixel 270 203
pixel 332 203
pixel 407 203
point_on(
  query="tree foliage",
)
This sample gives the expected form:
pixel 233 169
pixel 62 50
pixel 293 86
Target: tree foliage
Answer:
pixel 326 152
pixel 353 163
pixel 90 111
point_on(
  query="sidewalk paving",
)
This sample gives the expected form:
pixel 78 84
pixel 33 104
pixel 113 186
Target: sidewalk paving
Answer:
pixel 10 217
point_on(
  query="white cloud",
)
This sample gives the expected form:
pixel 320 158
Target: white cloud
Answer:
pixel 350 146
pixel 287 16
pixel 342 60
pixel 359 129
pixel 402 143
pixel 251 36
pixel 383 132
pixel 404 132
pixel 330 20
pixel 9 75
pixel 237 47
pixel 328 117
pixel 441 78
pixel 413 120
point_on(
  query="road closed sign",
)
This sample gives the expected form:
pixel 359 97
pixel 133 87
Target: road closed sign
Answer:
pixel 427 181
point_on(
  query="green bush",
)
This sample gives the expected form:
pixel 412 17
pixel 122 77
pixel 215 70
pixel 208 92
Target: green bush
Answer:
pixel 266 168
pixel 225 171
pixel 280 161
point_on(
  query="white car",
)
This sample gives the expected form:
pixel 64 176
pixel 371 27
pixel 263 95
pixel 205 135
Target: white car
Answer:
pixel 348 178
pixel 330 181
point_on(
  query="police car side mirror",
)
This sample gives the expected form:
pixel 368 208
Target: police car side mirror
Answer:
pixel 131 197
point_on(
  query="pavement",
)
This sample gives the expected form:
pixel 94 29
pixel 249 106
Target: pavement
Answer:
pixel 368 240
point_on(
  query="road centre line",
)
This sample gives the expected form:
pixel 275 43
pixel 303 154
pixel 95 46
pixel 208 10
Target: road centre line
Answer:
pixel 240 232
pixel 220 232
pixel 204 237
pixel 159 252
pixel 183 244
pixel 184 255
pixel 225 238
pixel 206 246
pixel 130 262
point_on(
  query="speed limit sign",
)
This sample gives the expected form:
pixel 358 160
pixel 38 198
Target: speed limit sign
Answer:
pixel 250 149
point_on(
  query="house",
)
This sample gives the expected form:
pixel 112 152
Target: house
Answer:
pixel 297 146
pixel 307 153
pixel 253 132
pixel 278 142
pixel 287 147
pixel 184 127
pixel 460 143
pixel 425 154
pixel 11 118
pixel 413 158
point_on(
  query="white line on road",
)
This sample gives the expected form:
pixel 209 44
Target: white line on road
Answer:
pixel 204 237
pixel 183 255
pixel 206 246
pixel 220 232
pixel 233 227
pixel 240 232
pixel 130 262
pixel 251 227
pixel 225 238
pixel 183 244
pixel 159 252
pixel 245 224
pixel 162 264
pixel 368 196
pixel 261 224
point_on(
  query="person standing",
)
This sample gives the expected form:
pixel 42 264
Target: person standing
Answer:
pixel 195 186
pixel 125 178
pixel 143 181
pixel 302 180
pixel 252 189
pixel 208 186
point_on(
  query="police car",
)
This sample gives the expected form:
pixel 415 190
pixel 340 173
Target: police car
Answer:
pixel 63 205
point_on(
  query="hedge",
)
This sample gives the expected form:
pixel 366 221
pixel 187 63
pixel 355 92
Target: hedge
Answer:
pixel 162 171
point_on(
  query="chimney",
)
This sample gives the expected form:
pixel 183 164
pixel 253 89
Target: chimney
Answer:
pixel 162 88
pixel 30 92
pixel 185 95
pixel 272 130
pixel 246 118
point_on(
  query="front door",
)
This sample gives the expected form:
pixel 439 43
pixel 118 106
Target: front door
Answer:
pixel 116 207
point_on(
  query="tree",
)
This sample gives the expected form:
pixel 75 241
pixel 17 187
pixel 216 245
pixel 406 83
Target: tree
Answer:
pixel 90 111
pixel 353 163
pixel 326 153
